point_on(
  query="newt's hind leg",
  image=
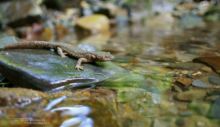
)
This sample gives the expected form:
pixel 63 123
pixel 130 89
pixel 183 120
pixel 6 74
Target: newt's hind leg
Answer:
pixel 79 63
pixel 60 52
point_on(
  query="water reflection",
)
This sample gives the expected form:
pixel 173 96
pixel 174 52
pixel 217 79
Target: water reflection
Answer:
pixel 79 113
pixel 54 103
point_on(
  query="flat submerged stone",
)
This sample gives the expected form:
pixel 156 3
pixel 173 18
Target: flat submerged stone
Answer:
pixel 45 70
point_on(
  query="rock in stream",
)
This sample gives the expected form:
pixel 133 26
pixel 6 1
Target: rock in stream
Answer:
pixel 45 70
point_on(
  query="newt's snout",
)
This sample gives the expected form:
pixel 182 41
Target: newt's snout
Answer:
pixel 108 56
pixel 104 56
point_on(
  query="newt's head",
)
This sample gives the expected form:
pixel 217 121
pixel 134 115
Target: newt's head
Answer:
pixel 104 56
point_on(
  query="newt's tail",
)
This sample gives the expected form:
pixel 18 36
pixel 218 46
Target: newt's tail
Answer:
pixel 31 45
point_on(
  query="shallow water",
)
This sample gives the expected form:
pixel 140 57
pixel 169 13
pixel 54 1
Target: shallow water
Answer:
pixel 144 94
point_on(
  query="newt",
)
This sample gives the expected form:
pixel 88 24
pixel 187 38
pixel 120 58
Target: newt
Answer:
pixel 64 50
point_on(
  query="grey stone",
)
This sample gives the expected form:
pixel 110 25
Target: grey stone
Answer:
pixel 200 84
pixel 45 70
pixel 214 79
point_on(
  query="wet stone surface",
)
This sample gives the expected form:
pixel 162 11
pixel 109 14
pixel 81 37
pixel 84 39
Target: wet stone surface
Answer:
pixel 215 110
pixel 212 61
pixel 45 70
pixel 200 84
pixel 20 13
pixel 19 97
pixel 214 79
pixel 190 95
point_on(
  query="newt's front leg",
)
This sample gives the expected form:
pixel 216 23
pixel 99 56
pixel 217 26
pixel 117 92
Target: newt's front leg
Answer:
pixel 60 52
pixel 79 63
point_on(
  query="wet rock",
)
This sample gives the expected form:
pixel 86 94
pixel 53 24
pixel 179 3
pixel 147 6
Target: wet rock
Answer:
pixel 180 122
pixel 191 21
pixel 61 4
pixel 214 79
pixel 187 7
pixel 101 101
pixel 5 40
pixel 1 78
pixel 184 81
pixel 176 88
pixel 167 24
pixel 203 7
pixel 20 13
pixel 55 4
pixel 46 70
pixel 213 14
pixel 215 110
pixel 18 96
pixel 105 11
pixel 200 84
pixel 212 95
pixel 199 121
pixel 185 65
pixel 98 41
pixel 162 122
pixel 186 113
pixel 212 98
pixel 201 108
pixel 93 24
pixel 94 7
pixel 211 61
pixel 184 7
pixel 190 95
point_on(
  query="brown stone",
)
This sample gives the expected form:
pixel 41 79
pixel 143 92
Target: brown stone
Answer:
pixel 211 61
pixel 94 24
pixel 184 81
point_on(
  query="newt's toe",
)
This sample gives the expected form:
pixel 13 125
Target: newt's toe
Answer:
pixel 79 68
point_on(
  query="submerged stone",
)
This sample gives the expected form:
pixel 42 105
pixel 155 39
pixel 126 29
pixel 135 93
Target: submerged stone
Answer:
pixel 199 121
pixel 19 96
pixel 185 65
pixel 213 14
pixel 200 84
pixel 94 23
pixel 190 95
pixel 45 70
pixel 184 81
pixel 211 61
pixel 90 25
pixel 102 102
pixel 215 110
pixel 201 108
pixel 20 13
pixel 189 21
pixel 214 79
pixel 5 40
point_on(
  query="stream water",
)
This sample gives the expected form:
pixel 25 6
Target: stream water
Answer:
pixel 148 93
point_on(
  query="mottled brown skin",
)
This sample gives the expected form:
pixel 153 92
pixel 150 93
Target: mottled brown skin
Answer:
pixel 63 50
